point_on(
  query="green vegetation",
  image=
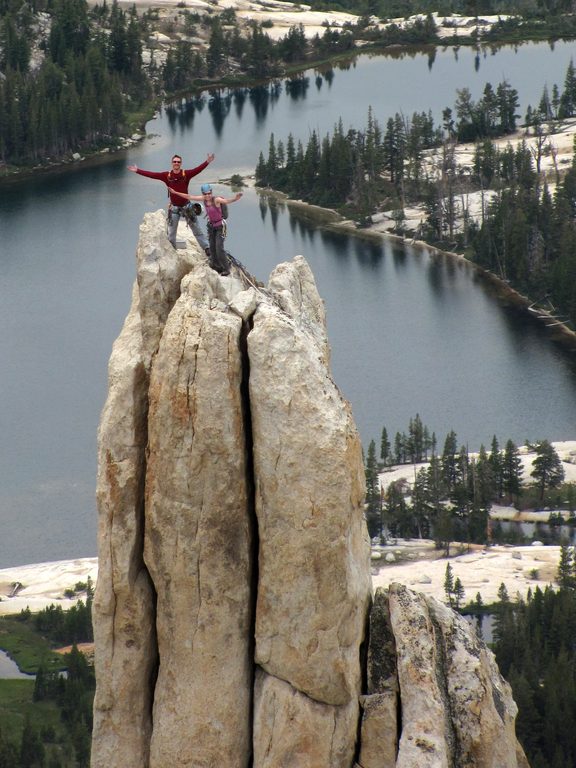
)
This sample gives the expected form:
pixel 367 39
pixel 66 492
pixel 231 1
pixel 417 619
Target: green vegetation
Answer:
pixel 524 235
pixel 78 99
pixel 389 9
pixel 534 647
pixel 29 638
pixel 76 78
pixel 79 83
pixel 527 236
pixel 362 170
pixel 47 722
pixel 453 589
pixel 453 491
pixel 20 639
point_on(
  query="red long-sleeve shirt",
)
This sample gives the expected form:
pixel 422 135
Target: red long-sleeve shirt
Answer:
pixel 178 181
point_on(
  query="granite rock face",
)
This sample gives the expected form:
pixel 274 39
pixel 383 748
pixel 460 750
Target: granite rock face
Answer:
pixel 453 708
pixel 233 600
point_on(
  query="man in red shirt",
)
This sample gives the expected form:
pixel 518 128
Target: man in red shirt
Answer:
pixel 179 179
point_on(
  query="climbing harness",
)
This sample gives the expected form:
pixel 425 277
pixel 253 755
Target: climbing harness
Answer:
pixel 190 212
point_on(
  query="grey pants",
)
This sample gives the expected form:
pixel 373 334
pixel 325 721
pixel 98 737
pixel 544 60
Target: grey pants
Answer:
pixel 174 213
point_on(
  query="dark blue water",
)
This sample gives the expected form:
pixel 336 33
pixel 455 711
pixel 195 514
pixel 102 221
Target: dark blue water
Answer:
pixel 410 332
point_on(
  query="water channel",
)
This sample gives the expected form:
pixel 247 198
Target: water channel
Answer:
pixel 410 331
pixel 9 669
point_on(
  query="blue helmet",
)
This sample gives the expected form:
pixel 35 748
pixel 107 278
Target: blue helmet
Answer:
pixel 206 188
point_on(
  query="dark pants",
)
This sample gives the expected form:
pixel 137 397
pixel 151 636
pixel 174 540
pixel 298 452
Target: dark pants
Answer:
pixel 218 259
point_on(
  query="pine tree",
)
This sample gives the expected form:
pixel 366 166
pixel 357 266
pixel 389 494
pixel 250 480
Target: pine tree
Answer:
pixel 373 503
pixel 421 504
pixel 32 752
pixel 215 54
pixel 416 432
pixel 568 98
pixel 398 514
pixel 566 572
pixel 261 172
pixel 449 584
pixel 272 162
pixel 547 467
pixel 400 447
pixel 459 593
pixel 443 529
pixel 507 98
pixel 495 460
pixel 512 471
pixel 449 461
pixel 483 479
pixel 384 447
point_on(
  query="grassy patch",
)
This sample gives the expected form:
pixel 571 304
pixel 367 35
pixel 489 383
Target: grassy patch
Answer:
pixel 27 648
pixel 15 702
pixel 16 705
pixel 42 720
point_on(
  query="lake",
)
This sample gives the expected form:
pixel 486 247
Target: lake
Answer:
pixel 411 332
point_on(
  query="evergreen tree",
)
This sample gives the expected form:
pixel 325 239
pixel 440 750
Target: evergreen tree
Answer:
pixel 511 471
pixel 567 104
pixel 399 448
pixel 384 447
pixel 547 467
pixel 261 173
pixel 398 515
pixel 495 459
pixel 416 432
pixel 459 593
pixel 259 58
pixel 392 152
pixel 32 752
pixel 449 461
pixel 216 49
pixel 507 99
pixel 443 529
pixel 483 479
pixel 373 502
pixel 293 46
pixel 449 584
pixel 566 567
pixel 421 504
pixel 272 163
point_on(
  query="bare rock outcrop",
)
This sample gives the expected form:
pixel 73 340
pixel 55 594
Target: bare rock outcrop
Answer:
pixel 198 536
pixel 455 708
pixel 233 601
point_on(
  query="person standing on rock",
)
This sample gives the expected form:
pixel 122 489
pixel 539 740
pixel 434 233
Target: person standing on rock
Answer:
pixel 216 224
pixel 177 180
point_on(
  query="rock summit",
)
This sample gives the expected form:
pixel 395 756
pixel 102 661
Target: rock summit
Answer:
pixel 234 620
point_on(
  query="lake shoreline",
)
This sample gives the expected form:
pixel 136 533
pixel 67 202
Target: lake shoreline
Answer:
pixel 453 32
pixel 331 220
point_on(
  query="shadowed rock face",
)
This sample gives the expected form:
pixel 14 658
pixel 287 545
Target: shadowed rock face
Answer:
pixel 233 593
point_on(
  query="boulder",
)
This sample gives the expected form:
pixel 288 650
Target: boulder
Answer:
pixel 292 730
